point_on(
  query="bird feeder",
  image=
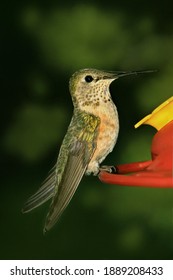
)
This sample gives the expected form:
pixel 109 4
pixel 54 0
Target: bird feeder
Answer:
pixel 157 172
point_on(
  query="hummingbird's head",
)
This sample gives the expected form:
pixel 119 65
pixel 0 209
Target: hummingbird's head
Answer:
pixel 90 87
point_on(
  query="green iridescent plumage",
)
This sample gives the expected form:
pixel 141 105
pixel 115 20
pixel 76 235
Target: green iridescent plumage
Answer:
pixel 77 148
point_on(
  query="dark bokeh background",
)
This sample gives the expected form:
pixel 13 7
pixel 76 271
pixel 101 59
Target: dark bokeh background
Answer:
pixel 42 45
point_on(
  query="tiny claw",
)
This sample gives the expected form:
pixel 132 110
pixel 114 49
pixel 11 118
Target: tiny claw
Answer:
pixel 108 168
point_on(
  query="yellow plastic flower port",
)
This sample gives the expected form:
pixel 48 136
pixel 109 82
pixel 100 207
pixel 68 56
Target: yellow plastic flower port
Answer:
pixel 162 115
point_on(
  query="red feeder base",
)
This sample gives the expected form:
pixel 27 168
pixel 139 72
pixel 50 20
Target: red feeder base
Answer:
pixel 156 173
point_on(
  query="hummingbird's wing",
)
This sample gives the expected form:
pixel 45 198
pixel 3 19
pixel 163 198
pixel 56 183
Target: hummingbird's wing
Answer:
pixel 76 151
pixel 80 153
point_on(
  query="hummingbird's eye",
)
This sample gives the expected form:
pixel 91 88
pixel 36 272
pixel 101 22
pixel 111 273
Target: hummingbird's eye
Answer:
pixel 89 79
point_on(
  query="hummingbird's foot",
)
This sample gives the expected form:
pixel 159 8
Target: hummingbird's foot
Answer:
pixel 108 168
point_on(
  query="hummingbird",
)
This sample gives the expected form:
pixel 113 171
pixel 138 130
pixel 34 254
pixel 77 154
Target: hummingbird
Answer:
pixel 90 137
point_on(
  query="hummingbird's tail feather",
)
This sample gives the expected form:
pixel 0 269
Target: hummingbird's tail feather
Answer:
pixel 43 194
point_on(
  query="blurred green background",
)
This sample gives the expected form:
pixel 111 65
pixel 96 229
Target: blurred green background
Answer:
pixel 43 43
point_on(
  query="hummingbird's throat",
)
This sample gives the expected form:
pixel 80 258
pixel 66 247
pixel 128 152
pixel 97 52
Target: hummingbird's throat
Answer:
pixel 97 96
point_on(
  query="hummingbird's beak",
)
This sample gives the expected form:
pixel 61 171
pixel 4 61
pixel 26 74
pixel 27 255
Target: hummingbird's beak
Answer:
pixel 119 74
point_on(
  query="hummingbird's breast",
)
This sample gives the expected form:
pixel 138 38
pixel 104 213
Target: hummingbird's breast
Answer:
pixel 107 135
